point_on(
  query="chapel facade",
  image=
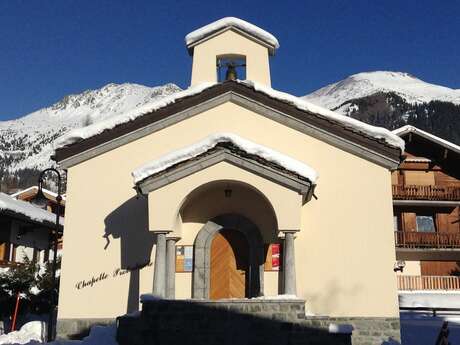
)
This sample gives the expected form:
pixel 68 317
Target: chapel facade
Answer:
pixel 231 190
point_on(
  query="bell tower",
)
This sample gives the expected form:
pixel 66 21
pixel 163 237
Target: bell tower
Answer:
pixel 230 49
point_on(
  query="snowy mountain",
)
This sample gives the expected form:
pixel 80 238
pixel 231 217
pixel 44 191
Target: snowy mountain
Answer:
pixel 411 89
pixel 393 99
pixel 386 99
pixel 26 143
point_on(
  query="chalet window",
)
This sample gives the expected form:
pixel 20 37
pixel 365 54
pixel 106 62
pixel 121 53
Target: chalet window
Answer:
pixel 425 223
pixel 397 222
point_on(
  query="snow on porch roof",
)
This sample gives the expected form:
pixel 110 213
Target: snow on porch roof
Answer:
pixel 194 150
pixel 229 22
pixel 26 210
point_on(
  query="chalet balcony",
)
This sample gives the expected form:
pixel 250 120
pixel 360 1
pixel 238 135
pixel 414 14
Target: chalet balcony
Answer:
pixel 409 283
pixel 413 239
pixel 8 264
pixel 431 193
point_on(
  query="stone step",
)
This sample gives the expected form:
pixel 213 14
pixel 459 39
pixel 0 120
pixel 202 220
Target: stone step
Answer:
pixel 248 322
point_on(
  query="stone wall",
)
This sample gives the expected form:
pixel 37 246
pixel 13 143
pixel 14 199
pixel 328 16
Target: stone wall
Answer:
pixel 232 322
pixel 242 322
pixel 366 330
pixel 75 329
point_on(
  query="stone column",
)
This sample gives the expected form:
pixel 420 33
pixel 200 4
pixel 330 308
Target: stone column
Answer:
pixel 171 267
pixel 159 275
pixel 289 264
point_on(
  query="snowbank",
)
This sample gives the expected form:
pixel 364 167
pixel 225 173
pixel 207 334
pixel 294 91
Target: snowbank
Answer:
pixel 343 328
pixel 97 128
pixel 430 299
pixel 423 329
pixel 31 333
pixel 35 213
pixel 34 333
pixel 210 142
pixel 251 29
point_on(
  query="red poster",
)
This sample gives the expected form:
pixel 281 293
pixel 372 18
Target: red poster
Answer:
pixel 275 257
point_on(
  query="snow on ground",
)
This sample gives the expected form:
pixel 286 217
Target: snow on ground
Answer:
pixel 210 142
pixel 34 333
pixel 252 29
pixel 27 209
pixel 430 299
pixel 419 328
pixel 410 88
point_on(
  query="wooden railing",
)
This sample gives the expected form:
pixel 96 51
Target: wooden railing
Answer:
pixel 5 263
pixel 428 282
pixel 413 239
pixel 416 192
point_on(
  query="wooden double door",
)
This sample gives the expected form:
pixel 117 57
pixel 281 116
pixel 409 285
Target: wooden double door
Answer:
pixel 229 265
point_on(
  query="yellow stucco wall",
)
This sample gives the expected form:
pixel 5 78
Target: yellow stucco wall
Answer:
pixel 344 250
pixel 229 42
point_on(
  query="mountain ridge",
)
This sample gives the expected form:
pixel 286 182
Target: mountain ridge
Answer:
pixel 382 98
pixel 412 89
pixel 26 143
pixel 394 99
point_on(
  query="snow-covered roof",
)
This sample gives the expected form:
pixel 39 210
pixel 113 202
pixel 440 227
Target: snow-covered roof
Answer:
pixel 25 209
pixel 34 189
pixel 79 134
pixel 194 150
pixel 301 104
pixel 411 129
pixel 230 22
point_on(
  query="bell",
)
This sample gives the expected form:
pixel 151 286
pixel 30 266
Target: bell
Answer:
pixel 231 73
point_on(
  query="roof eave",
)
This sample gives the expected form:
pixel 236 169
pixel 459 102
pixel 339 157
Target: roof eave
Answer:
pixel 271 48
pixel 21 217
pixel 283 112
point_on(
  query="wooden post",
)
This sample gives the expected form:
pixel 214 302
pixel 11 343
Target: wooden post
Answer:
pixel 13 324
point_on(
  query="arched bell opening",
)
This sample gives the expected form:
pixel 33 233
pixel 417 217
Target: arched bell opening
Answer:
pixel 231 67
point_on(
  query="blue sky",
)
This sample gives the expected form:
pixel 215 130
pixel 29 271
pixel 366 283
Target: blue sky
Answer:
pixel 52 48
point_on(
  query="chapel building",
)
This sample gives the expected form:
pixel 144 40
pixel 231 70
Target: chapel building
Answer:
pixel 231 190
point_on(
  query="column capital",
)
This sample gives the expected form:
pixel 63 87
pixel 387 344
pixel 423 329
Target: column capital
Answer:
pixel 157 232
pixel 173 238
pixel 289 231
